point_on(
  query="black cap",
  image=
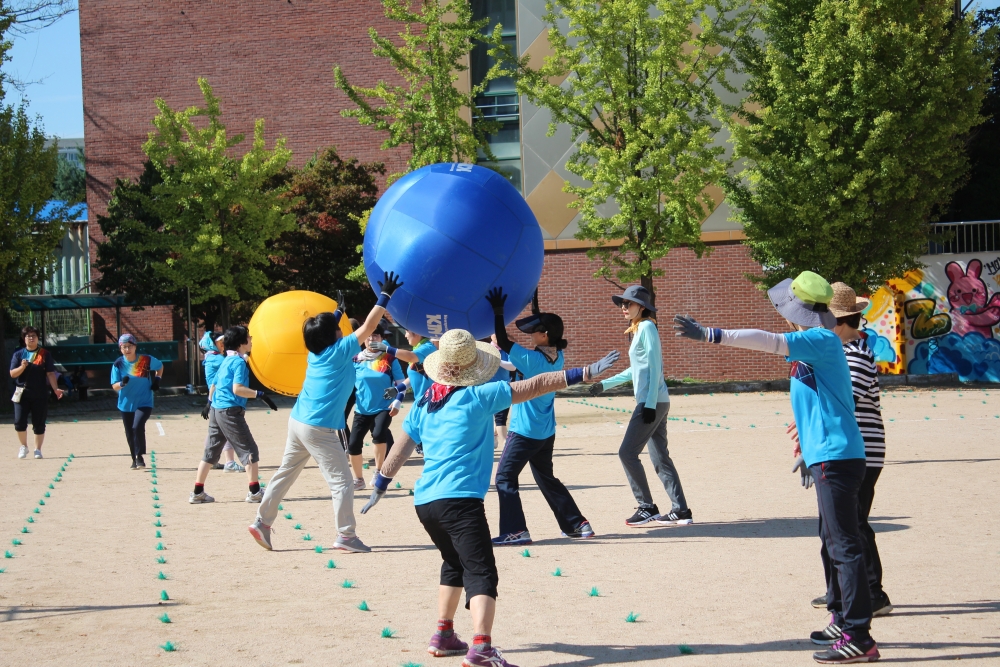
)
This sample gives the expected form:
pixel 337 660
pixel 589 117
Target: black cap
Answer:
pixel 542 322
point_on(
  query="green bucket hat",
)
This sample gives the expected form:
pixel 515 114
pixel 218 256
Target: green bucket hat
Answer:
pixel 805 300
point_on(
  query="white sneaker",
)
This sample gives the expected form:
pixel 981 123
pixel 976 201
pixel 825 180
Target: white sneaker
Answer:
pixel 359 484
pixel 200 498
pixel 38 453
pixel 255 497
pixel 23 452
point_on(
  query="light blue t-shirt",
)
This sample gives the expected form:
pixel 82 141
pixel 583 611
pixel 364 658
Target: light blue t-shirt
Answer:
pixel 328 384
pixel 419 382
pixel 645 368
pixel 458 442
pixel 138 393
pixel 233 369
pixel 502 374
pixel 212 362
pixel 371 379
pixel 536 418
pixel 822 399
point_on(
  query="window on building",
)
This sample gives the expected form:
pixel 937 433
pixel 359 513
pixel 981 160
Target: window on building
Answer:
pixel 499 101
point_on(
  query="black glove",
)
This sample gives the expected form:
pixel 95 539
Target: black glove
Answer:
pixel 389 283
pixel 123 381
pixel 205 410
pixel 381 483
pixel 596 389
pixel 155 384
pixel 267 401
pixel 648 415
pixel 497 299
pixel 687 327
pixel 394 391
pixel 603 364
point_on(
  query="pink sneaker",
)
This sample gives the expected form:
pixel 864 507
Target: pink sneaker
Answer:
pixel 490 658
pixel 445 646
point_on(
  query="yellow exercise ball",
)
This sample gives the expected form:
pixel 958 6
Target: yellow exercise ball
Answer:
pixel 278 356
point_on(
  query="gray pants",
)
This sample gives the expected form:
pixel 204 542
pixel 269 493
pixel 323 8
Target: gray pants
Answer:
pixel 327 447
pixel 637 435
pixel 229 426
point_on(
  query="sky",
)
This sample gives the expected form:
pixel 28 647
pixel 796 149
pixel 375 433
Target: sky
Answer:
pixel 50 58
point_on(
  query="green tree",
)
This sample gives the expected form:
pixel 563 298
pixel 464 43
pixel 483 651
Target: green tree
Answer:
pixel 70 183
pixel 855 132
pixel 640 98
pixel 27 167
pixel 328 196
pixel 218 215
pixel 424 114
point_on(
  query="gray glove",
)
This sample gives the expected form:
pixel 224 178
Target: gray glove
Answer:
pixel 603 364
pixel 596 389
pixel 381 484
pixel 801 467
pixel 686 327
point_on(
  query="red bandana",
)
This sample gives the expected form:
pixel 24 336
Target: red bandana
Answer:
pixel 436 397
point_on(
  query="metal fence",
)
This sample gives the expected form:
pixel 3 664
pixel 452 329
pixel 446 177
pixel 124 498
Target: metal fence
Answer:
pixel 952 238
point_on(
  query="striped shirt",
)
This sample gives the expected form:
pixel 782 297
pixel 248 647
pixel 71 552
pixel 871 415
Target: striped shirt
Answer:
pixel 867 409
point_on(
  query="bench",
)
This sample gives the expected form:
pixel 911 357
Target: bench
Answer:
pixel 104 354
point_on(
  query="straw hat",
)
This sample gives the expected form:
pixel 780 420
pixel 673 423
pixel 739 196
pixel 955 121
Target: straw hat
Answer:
pixel 461 360
pixel 845 302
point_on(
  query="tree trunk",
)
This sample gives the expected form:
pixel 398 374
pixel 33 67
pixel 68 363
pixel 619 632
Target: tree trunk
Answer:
pixel 6 393
pixel 224 313
pixel 647 282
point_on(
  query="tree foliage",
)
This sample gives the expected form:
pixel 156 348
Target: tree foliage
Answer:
pixel 640 98
pixel 70 183
pixel 218 215
pixel 855 123
pixel 425 112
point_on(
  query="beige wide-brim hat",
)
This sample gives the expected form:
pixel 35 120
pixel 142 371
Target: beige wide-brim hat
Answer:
pixel 845 302
pixel 461 360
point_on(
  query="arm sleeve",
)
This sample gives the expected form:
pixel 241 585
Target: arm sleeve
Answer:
pixel 751 339
pixel 545 383
pixel 620 378
pixel 501 332
pixel 651 343
pixel 398 455
pixel 507 366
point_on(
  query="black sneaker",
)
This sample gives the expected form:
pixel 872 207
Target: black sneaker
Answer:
pixel 140 462
pixel 642 516
pixel 582 532
pixel 831 634
pixel 882 607
pixel 820 602
pixel 675 518
pixel 846 651
pixel 133 466
pixel 218 466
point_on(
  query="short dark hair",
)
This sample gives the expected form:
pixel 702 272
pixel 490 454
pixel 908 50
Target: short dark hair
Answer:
pixel 321 332
pixel 30 329
pixel 853 321
pixel 355 325
pixel 235 337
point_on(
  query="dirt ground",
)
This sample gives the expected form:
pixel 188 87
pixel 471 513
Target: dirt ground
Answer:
pixel 83 588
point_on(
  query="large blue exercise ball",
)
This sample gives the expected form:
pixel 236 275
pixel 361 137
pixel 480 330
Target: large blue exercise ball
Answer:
pixel 452 231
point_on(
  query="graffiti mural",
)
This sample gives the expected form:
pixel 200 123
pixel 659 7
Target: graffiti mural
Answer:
pixel 949 319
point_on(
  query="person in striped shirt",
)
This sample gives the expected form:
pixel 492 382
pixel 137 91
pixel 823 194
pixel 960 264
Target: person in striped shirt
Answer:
pixel 847 307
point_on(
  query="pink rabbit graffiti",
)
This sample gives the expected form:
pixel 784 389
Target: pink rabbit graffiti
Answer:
pixel 967 296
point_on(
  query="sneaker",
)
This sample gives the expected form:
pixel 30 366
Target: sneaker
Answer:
pixel 255 497
pixel 234 466
pixel 261 533
pixel 140 463
pixel 846 651
pixel 38 453
pixel 820 602
pixel 420 449
pixel 642 516
pixel 582 532
pixel 359 484
pixel 23 452
pixel 133 466
pixel 675 518
pixel 882 607
pixel 218 466
pixel 828 635
pixel 512 539
pixel 352 544
pixel 445 646
pixel 199 498
pixel 488 658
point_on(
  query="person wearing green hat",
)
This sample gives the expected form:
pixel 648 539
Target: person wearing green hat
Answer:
pixel 833 450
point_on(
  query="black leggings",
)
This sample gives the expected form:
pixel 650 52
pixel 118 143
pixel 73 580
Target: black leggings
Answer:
pixel 35 404
pixel 135 430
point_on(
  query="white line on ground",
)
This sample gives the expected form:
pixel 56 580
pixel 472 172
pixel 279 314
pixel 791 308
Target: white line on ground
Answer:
pixel 159 427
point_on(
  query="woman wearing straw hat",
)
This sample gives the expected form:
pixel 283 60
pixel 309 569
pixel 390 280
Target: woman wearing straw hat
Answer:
pixel 648 425
pixel 212 345
pixel 831 443
pixel 135 377
pixel 846 306
pixel 454 421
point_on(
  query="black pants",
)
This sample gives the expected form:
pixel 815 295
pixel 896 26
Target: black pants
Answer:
pixel 847 594
pixel 873 564
pixel 135 430
pixel 377 424
pixel 459 530
pixel 347 411
pixel 518 452
pixel 500 418
pixel 34 404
